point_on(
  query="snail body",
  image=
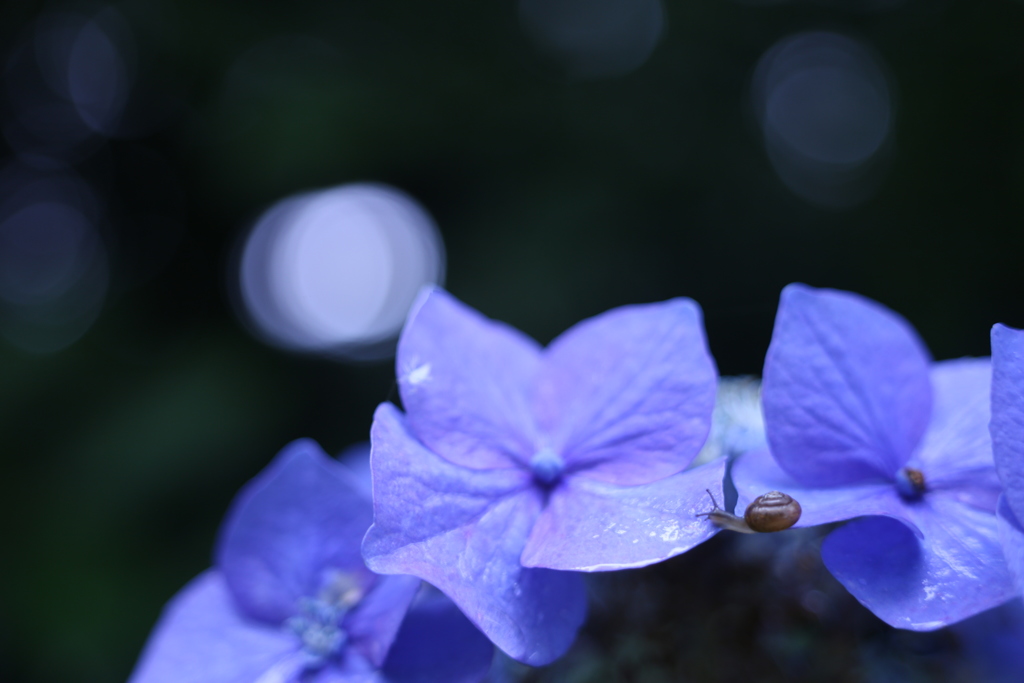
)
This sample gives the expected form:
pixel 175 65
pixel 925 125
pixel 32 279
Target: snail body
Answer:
pixel 773 511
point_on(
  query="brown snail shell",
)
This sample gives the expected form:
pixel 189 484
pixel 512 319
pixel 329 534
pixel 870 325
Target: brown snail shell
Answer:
pixel 773 511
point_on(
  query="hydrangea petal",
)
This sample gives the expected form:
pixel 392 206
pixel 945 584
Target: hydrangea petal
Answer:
pixel 756 472
pixel 956 451
pixel 954 571
pixel 1008 412
pixel 373 624
pixel 301 516
pixel 466 382
pixel 463 531
pixel 1011 535
pixel 356 458
pixel 627 396
pixel 846 389
pixel 438 643
pixel 589 525
pixel 348 671
pixel 202 637
pixel 349 667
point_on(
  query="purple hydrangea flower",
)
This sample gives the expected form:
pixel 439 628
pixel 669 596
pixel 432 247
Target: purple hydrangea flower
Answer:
pixel 291 600
pixel 1008 441
pixel 862 424
pixel 515 463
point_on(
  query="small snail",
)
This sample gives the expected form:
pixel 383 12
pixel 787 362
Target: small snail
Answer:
pixel 773 511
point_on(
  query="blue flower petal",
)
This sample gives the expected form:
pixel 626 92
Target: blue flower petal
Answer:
pixel 356 458
pixel 1011 535
pixel 466 383
pixel 299 519
pixel 1008 412
pixel 203 638
pixel 954 571
pixel 846 389
pixel 593 526
pixel 626 397
pixel 756 472
pixel 463 531
pixel 349 671
pixel 438 644
pixel 956 452
pixel 374 622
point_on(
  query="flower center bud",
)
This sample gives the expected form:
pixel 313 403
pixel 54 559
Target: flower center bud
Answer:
pixel 910 483
pixel 547 466
pixel 342 590
pixel 318 623
pixel 318 627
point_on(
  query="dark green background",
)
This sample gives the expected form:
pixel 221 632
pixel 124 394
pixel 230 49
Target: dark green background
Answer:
pixel 556 200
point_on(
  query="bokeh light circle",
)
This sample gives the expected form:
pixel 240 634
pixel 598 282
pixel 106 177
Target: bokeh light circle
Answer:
pixel 335 271
pixel 595 38
pixel 54 266
pixel 68 81
pixel 45 248
pixel 825 107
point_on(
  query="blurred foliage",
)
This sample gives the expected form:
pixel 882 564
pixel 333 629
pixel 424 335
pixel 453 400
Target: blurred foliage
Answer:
pixel 557 200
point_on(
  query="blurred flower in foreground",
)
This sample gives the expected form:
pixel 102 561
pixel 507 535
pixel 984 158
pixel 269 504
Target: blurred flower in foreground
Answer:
pixel 291 599
pixel 513 460
pixel 862 423
pixel 737 425
pixel 335 271
pixel 1008 441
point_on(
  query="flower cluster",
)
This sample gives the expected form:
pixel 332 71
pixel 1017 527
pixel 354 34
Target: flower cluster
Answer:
pixel 527 466
pixel 512 470
pixel 290 599
pixel 863 426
